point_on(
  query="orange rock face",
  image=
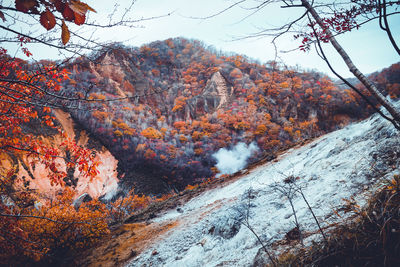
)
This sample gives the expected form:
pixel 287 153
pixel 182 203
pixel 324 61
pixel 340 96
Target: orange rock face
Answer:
pixel 35 173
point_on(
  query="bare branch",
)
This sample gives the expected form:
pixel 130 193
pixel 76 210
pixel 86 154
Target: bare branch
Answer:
pixel 219 12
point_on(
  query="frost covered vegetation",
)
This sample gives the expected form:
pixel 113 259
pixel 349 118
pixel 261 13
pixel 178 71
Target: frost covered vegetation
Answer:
pixel 182 102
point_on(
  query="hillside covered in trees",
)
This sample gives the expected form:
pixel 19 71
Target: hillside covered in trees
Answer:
pixel 165 108
pixel 175 153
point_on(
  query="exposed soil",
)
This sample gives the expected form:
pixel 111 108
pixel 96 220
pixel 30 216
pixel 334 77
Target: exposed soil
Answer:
pixel 124 243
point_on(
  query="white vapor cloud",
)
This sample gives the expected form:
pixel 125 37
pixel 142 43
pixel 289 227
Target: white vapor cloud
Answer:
pixel 231 161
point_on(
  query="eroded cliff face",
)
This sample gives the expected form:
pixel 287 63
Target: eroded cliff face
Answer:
pixel 34 173
pixel 216 95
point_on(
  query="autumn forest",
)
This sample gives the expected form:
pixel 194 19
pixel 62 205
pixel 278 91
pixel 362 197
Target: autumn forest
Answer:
pixel 183 101
pixel 111 129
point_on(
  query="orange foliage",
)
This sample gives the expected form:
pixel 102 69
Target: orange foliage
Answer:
pixel 237 60
pixel 297 134
pixel 139 108
pixel 97 96
pixel 177 108
pixel 196 135
pixel 172 150
pixel 309 91
pixel 151 133
pixel 100 115
pixel 131 203
pixel 128 205
pixel 215 170
pixel 123 126
pixel 17 108
pixel 145 49
pixel 271 144
pixel 130 132
pixel 236 73
pixel 182 138
pixel 284 85
pixel 261 129
pixel 170 43
pixel 118 133
pixel 242 125
pixel 198 151
pixel 180 102
pixel 191 187
pixel 180 125
pixel 288 129
pixel 161 119
pixel 54 226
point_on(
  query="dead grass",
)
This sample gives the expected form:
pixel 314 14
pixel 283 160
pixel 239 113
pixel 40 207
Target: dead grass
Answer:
pixel 124 244
pixel 372 238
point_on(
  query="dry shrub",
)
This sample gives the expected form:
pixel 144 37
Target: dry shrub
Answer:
pixel 127 205
pixel 132 203
pixel 50 231
pixel 371 239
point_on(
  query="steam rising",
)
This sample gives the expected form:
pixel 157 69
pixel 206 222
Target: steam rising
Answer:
pixel 231 161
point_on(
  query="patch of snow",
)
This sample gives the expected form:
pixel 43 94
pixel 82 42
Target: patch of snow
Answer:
pixel 212 227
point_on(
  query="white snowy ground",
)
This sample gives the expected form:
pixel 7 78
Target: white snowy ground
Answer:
pixel 338 165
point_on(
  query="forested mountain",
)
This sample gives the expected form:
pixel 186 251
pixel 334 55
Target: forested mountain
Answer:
pixel 175 153
pixel 388 80
pixel 153 120
pixel 183 101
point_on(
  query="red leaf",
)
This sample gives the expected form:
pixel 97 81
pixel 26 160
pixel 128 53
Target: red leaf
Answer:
pixel 26 52
pixel 59 5
pixel 68 13
pixel 80 7
pixel 47 20
pixel 64 33
pixel 79 19
pixel 25 5
pixel 2 16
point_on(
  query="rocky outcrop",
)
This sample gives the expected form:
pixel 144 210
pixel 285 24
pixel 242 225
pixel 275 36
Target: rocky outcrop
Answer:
pixel 217 87
pixel 85 197
pixel 36 175
pixel 217 94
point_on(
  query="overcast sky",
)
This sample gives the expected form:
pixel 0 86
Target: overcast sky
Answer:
pixel 368 47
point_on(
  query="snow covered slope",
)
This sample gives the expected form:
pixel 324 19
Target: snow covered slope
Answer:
pixel 211 227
